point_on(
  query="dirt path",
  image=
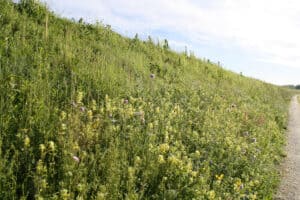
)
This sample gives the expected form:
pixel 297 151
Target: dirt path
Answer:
pixel 290 185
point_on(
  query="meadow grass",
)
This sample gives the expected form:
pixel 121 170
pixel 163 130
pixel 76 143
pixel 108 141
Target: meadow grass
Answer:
pixel 86 113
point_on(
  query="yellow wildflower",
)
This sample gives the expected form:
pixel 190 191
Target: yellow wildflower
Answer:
pixel 161 159
pixel 157 110
pixel 131 172
pixel 137 160
pixel 43 184
pixel 101 196
pixel 150 125
pixel 253 196
pixel 26 141
pixel 40 167
pixel 90 115
pixel 211 195
pixel 64 194
pixel 94 105
pixel 197 153
pixel 238 185
pixel 76 147
pixel 79 97
pixel 63 127
pixel 194 173
pixel 42 148
pixel 163 148
pixel 173 160
pixel 51 145
pixel 63 115
pixel 220 177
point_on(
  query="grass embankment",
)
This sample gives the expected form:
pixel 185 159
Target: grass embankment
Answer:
pixel 88 114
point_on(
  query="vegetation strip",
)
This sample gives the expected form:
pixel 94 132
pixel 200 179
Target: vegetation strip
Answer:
pixel 86 113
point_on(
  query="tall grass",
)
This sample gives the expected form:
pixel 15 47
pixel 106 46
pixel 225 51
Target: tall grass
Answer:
pixel 86 113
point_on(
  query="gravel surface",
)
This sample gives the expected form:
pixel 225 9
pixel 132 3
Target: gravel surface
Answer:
pixel 290 184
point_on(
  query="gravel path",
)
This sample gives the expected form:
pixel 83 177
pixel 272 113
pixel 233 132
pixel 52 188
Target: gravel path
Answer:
pixel 290 185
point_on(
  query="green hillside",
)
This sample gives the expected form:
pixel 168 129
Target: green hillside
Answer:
pixel 86 113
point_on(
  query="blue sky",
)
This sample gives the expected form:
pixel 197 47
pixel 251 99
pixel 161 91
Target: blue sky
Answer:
pixel 261 39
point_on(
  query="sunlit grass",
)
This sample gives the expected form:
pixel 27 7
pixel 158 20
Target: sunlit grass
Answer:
pixel 88 114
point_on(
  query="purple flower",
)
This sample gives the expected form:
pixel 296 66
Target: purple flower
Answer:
pixel 242 186
pixel 152 76
pixel 82 109
pixel 76 159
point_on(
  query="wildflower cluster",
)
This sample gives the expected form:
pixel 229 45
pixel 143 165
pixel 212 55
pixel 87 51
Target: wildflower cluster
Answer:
pixel 88 114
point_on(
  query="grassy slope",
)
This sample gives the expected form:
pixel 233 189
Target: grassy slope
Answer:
pixel 194 131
